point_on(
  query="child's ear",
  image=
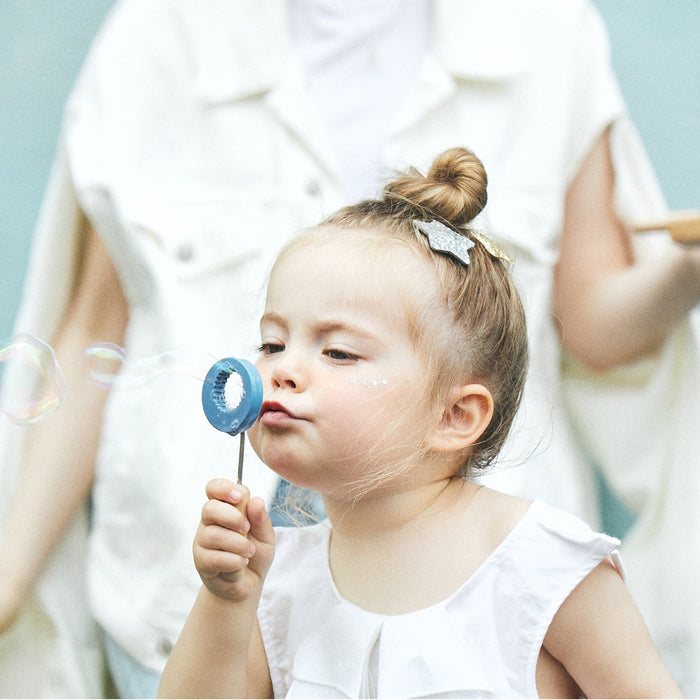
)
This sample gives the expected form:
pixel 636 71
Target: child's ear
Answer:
pixel 465 418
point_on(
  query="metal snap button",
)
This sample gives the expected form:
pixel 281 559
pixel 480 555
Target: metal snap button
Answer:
pixel 185 252
pixel 313 188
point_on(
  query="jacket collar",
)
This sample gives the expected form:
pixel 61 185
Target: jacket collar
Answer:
pixel 475 41
pixel 472 42
pixel 226 40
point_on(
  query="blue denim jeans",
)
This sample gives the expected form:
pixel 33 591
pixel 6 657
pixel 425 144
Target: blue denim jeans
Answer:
pixel 131 679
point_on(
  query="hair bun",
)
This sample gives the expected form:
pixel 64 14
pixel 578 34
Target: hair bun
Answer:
pixel 454 188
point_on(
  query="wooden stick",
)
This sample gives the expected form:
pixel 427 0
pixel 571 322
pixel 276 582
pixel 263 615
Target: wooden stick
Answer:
pixel 684 226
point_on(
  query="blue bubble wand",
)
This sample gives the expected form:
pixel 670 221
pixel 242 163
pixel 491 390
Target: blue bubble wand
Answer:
pixel 229 411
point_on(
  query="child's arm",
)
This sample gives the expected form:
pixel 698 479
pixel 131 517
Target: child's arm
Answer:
pixel 220 651
pixel 601 639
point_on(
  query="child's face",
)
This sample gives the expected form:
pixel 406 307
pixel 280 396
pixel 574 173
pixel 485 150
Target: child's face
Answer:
pixel 344 388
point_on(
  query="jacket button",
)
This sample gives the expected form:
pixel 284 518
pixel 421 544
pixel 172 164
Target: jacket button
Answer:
pixel 313 188
pixel 165 647
pixel 185 252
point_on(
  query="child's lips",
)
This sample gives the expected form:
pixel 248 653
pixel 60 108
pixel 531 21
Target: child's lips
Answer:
pixel 273 413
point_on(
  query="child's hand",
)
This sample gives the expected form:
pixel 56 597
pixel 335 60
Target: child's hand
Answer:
pixel 235 541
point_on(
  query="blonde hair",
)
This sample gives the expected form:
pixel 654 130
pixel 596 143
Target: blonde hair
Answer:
pixel 475 330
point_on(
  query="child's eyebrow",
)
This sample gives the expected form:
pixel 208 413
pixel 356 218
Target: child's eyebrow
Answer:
pixel 272 318
pixel 345 327
pixel 325 327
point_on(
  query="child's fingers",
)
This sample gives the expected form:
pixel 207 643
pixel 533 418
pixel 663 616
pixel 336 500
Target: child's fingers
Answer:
pixel 235 533
pixel 223 538
pixel 227 491
pixel 213 562
pixel 221 545
pixel 225 515
pixel 217 550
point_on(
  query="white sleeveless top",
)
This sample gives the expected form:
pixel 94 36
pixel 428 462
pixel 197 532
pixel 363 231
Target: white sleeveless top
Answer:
pixel 482 641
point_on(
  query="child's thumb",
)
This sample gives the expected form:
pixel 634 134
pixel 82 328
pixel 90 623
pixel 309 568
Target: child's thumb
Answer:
pixel 261 533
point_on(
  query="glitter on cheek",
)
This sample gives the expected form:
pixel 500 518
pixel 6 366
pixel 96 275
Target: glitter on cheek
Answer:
pixel 368 382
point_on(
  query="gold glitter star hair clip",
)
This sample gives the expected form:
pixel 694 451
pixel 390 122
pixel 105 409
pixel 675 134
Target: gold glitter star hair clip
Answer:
pixel 493 248
pixel 443 239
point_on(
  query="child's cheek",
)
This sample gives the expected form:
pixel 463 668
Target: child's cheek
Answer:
pixel 253 436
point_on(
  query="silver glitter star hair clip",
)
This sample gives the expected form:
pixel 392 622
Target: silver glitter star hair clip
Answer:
pixel 443 239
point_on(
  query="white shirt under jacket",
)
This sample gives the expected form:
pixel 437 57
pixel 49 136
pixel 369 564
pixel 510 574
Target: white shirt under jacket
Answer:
pixel 191 143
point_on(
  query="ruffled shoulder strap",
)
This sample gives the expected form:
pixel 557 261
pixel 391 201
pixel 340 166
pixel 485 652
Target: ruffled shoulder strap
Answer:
pixel 514 596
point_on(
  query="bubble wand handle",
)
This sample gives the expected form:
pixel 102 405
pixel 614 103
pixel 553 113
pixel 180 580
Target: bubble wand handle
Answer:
pixel 228 410
pixel 241 451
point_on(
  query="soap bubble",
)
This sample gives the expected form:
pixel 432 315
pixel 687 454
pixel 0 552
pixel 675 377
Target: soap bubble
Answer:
pixel 33 383
pixel 108 366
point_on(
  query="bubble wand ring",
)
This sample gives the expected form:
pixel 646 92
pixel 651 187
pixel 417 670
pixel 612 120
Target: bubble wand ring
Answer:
pixel 225 414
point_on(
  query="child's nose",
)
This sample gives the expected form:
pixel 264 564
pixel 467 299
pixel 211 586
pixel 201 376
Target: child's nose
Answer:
pixel 286 374
pixel 278 382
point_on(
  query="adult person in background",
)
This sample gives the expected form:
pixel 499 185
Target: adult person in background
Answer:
pixel 198 137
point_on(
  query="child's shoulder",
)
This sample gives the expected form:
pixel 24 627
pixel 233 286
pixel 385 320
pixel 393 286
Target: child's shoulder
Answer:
pixel 503 511
pixel 498 513
pixel 503 504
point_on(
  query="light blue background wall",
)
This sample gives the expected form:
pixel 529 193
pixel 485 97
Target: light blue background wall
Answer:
pixel 42 43
pixel 656 51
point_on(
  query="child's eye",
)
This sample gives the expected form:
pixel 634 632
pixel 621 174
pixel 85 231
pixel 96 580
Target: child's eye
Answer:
pixel 270 348
pixel 340 355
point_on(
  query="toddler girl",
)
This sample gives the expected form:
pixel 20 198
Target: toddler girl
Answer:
pixel 393 356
